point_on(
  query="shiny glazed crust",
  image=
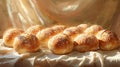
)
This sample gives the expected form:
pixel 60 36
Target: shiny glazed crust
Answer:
pixel 26 43
pixel 72 32
pixel 83 26
pixel 93 29
pixel 60 44
pixel 9 36
pixel 61 39
pixel 34 29
pixel 85 42
pixel 108 40
pixel 58 28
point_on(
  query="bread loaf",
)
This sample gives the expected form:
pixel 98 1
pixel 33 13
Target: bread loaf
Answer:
pixel 60 39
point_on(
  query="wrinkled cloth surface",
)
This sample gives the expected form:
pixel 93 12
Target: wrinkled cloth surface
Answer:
pixel 9 58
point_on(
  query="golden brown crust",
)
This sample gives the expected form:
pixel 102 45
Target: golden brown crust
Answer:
pixel 108 40
pixel 72 32
pixel 60 40
pixel 58 28
pixel 26 43
pixel 83 26
pixel 86 42
pixel 93 29
pixel 44 35
pixel 60 44
pixel 34 29
pixel 9 36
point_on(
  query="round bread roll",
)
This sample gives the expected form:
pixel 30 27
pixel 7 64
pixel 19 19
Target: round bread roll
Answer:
pixel 58 28
pixel 86 42
pixel 34 29
pixel 108 40
pixel 72 32
pixel 60 44
pixel 26 43
pixel 44 35
pixel 9 35
pixel 93 29
pixel 83 26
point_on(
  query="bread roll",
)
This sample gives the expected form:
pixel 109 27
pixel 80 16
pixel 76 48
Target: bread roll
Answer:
pixel 9 36
pixel 86 42
pixel 108 40
pixel 26 43
pixel 93 29
pixel 72 32
pixel 34 29
pixel 60 44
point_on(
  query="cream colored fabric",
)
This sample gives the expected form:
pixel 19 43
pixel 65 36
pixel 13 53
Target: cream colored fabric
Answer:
pixel 9 58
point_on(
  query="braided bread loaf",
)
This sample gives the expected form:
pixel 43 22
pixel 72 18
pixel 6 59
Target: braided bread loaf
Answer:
pixel 60 39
